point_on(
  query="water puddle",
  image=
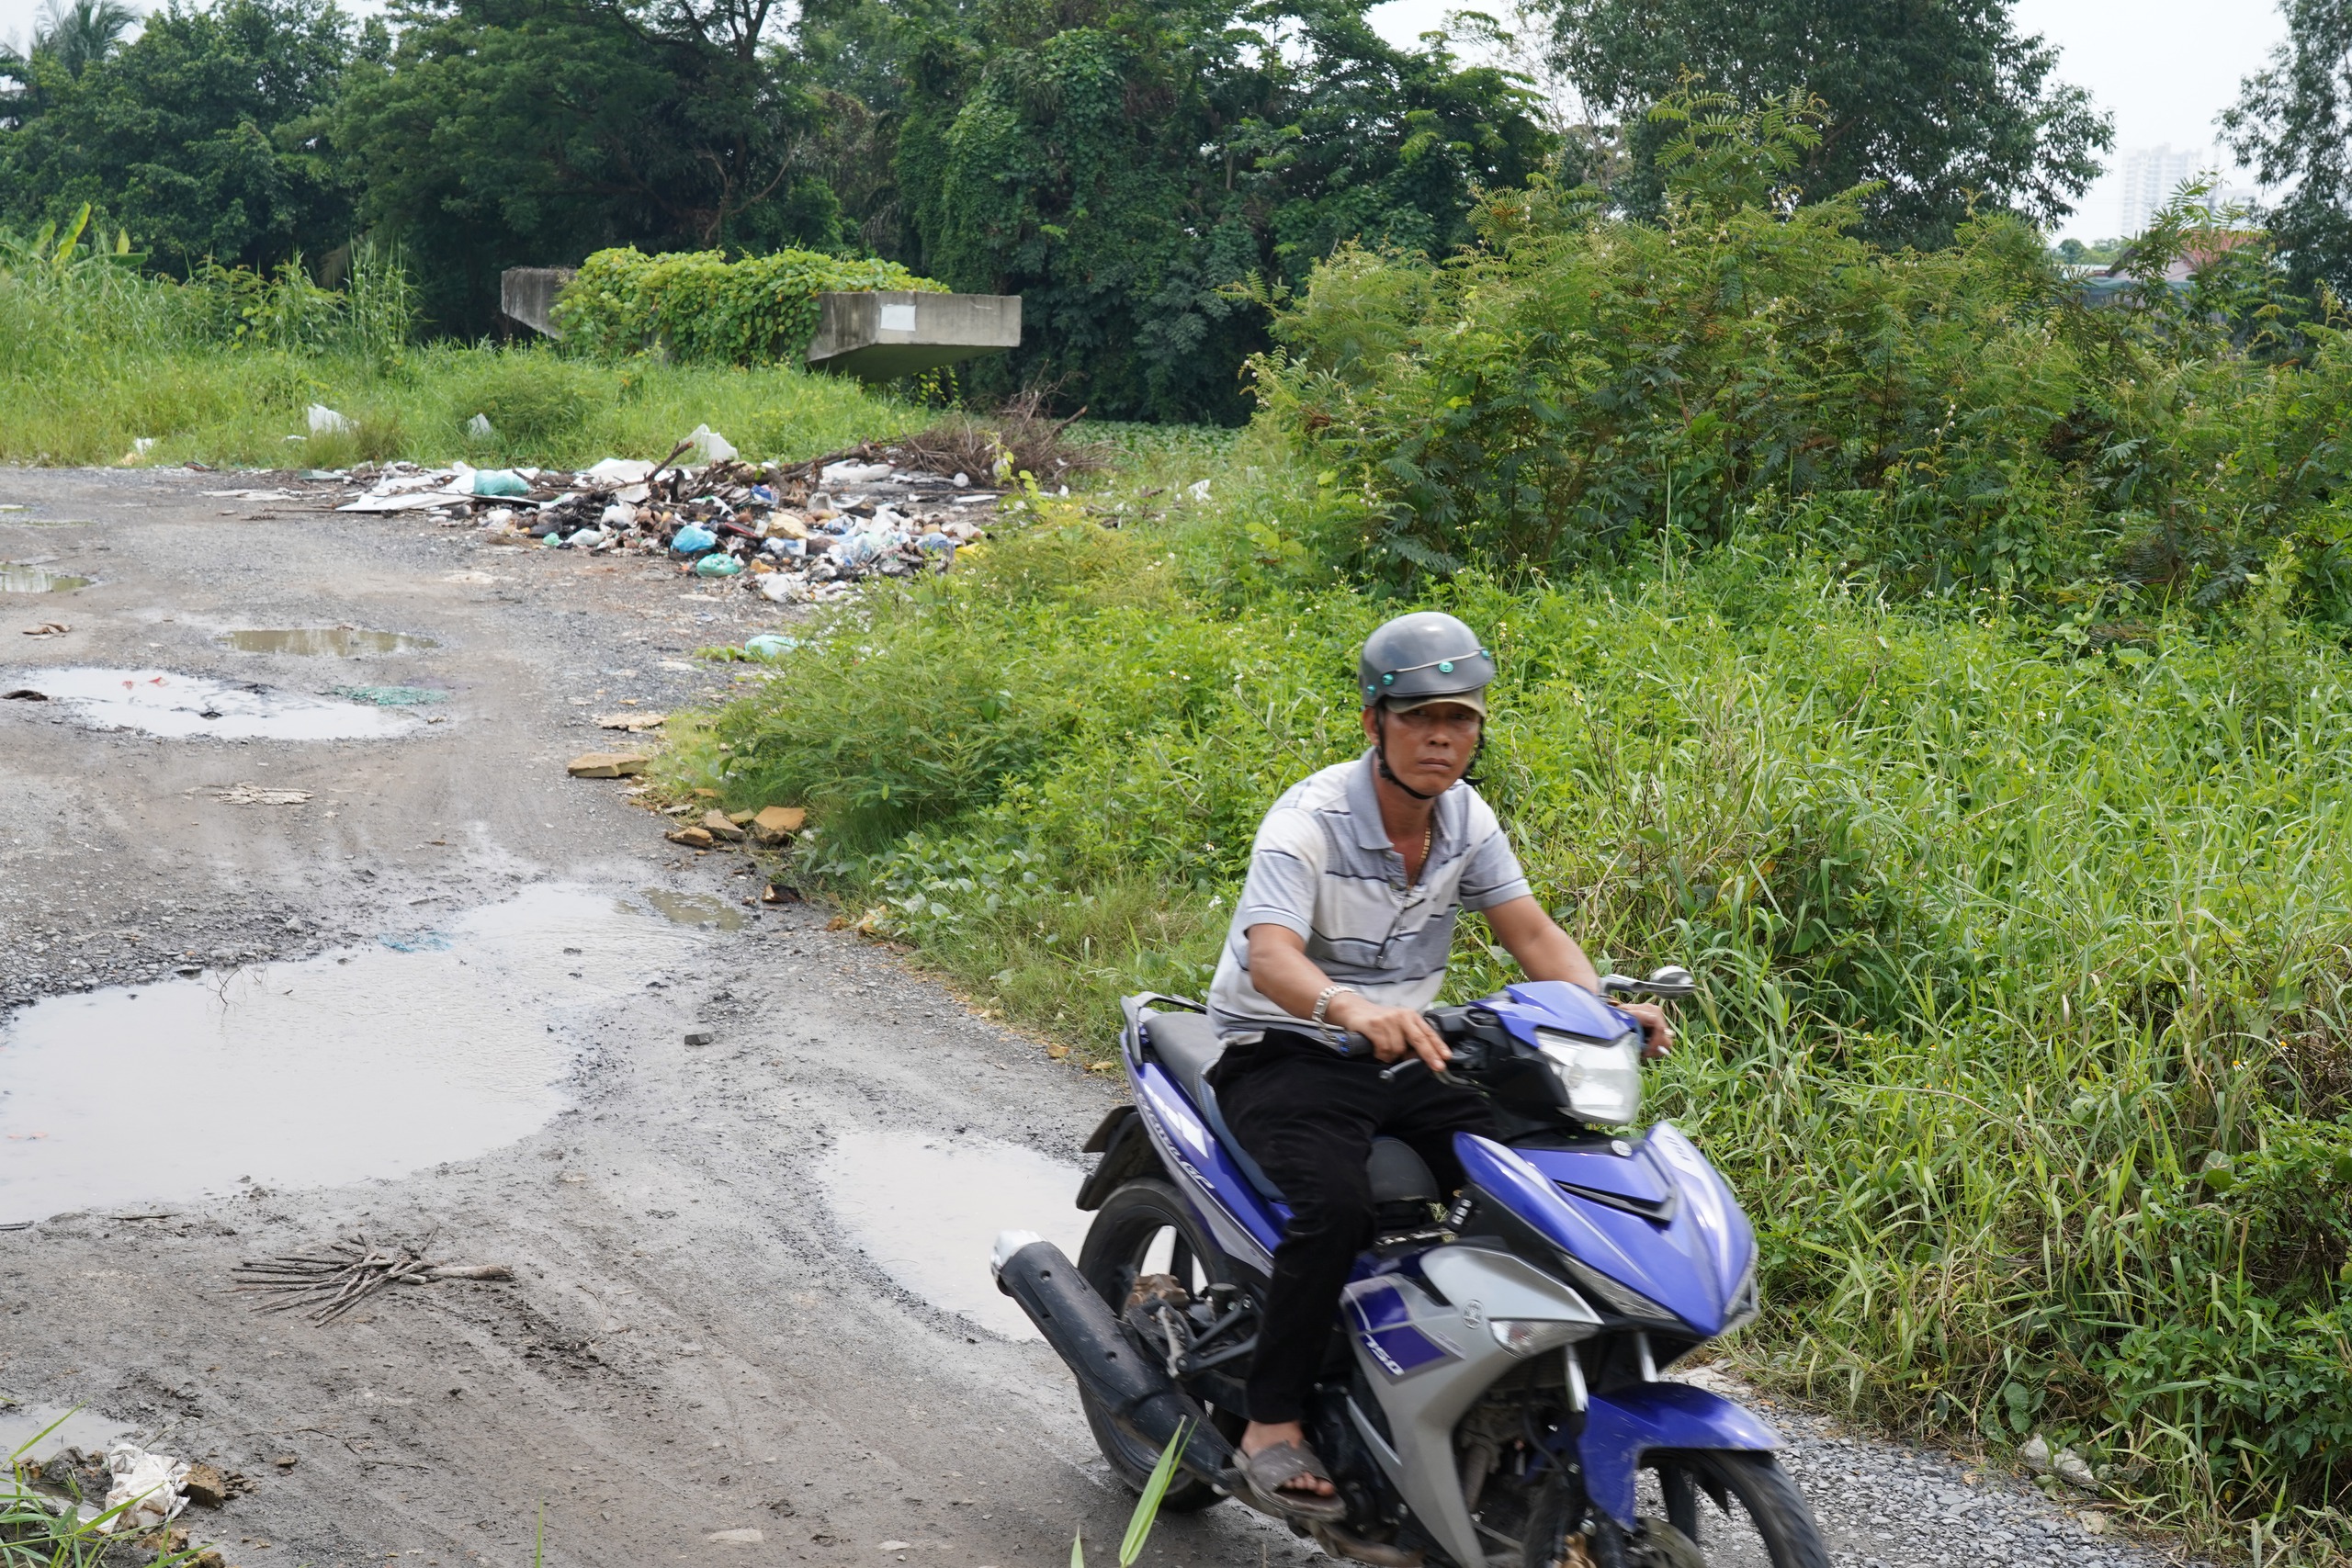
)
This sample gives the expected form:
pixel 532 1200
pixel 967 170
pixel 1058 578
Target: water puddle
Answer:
pixel 16 579
pixel 337 642
pixel 175 706
pixel 698 909
pixel 38 1431
pixel 927 1208
pixel 428 1044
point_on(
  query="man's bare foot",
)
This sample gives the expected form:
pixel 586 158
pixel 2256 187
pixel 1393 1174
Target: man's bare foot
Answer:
pixel 1262 1435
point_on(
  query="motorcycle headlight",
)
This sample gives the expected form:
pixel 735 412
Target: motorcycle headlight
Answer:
pixel 1603 1083
pixel 1526 1337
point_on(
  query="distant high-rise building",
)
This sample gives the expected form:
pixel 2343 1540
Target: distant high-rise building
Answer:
pixel 2151 175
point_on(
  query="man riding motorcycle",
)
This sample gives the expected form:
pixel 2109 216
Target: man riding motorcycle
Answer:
pixel 1343 927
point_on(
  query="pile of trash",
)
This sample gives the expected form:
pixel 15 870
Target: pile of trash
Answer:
pixel 792 533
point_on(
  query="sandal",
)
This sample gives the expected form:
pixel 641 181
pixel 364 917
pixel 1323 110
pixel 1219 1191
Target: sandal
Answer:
pixel 1269 1468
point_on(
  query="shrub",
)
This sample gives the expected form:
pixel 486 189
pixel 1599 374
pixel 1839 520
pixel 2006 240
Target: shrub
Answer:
pixel 533 400
pixel 699 305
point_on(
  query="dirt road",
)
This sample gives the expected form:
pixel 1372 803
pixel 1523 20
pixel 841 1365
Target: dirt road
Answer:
pixel 448 992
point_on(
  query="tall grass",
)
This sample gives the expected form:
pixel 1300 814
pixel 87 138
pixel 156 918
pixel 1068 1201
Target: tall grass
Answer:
pixel 2026 953
pixel 96 357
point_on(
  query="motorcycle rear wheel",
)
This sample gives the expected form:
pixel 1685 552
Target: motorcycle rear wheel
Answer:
pixel 1766 1523
pixel 1127 1233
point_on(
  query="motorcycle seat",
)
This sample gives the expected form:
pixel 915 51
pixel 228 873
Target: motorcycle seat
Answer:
pixel 1188 1045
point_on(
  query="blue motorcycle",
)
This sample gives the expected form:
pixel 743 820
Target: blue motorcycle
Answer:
pixel 1492 1396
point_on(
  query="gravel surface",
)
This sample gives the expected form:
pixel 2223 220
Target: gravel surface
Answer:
pixel 713 1328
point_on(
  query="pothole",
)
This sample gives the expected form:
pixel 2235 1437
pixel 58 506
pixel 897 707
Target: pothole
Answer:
pixel 36 1432
pixel 422 1046
pixel 699 910
pixel 335 642
pixel 162 703
pixel 17 578
pixel 928 1208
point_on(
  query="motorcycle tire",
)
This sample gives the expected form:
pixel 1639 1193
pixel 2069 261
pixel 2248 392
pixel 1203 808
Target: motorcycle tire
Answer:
pixel 1770 1511
pixel 1116 1245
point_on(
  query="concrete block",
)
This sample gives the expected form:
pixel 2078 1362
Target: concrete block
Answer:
pixel 882 335
pixel 527 294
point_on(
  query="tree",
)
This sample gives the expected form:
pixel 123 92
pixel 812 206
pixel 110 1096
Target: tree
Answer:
pixel 2292 124
pixel 81 33
pixel 507 132
pixel 199 137
pixel 1127 171
pixel 1939 101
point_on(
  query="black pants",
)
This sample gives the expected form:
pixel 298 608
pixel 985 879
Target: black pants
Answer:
pixel 1309 1117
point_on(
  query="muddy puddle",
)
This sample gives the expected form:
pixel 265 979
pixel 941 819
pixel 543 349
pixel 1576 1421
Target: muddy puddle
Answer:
pixel 39 1431
pixel 175 706
pixel 17 579
pixel 326 642
pixel 701 911
pixel 927 1209
pixel 426 1044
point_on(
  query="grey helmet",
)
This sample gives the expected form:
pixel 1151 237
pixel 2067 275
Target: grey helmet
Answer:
pixel 1425 657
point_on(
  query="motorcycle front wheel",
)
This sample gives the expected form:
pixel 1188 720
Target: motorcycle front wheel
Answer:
pixel 1145 1228
pixel 1712 1508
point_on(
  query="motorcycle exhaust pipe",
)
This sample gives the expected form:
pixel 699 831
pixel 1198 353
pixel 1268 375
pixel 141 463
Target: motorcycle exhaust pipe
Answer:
pixel 1136 1391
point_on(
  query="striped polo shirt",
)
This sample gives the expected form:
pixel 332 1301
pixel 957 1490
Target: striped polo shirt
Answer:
pixel 1323 867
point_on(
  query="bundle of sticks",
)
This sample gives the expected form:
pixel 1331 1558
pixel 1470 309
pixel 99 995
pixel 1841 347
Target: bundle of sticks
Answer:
pixel 327 1284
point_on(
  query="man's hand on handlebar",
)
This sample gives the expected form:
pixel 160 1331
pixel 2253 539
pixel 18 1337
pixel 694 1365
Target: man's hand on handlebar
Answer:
pixel 1394 1032
pixel 1657 1038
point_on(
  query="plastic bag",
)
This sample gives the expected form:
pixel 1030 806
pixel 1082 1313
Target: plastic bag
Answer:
pixel 711 447
pixel 692 539
pixel 149 1482
pixel 717 566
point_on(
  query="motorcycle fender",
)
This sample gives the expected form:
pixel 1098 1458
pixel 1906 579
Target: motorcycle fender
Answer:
pixel 1624 1424
pixel 1124 1145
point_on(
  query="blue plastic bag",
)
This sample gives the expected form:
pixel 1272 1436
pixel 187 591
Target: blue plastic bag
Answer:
pixel 692 539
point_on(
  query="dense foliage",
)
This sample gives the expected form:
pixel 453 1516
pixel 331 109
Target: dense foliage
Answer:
pixel 1939 103
pixel 202 137
pixel 2293 126
pixel 697 304
pixel 1122 169
pixel 1581 384
pixel 502 133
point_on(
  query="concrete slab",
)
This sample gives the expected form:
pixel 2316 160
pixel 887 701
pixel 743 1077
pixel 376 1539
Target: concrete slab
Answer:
pixel 882 335
pixel 527 294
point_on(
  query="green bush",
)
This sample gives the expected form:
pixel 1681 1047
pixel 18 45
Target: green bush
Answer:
pixel 1579 384
pixel 698 305
pixel 535 401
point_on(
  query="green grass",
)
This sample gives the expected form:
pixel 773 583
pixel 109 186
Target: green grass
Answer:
pixel 2024 1036
pixel 235 407
pixel 94 359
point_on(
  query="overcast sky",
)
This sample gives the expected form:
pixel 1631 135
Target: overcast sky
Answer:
pixel 2163 67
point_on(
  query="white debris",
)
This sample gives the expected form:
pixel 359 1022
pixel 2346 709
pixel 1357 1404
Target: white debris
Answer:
pixel 324 420
pixel 711 447
pixel 1198 490
pixel 149 1482
pixel 615 471
pixel 480 427
pixel 848 473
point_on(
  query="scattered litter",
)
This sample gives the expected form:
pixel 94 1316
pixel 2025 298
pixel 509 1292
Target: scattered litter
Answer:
pixel 692 539
pixel 326 1285
pixel 776 893
pixel 1198 490
pixel 146 1488
pixel 776 823
pixel 324 420
pixel 711 447
pixel 855 473
pixel 606 764
pixel 255 795
pixel 489 482
pixel 392 696
pixel 632 722
pixel 479 428
pixel 770 645
pixel 700 1037
pixel 48 629
pixel 717 566
pixel 735 1537
pixel 892 1546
